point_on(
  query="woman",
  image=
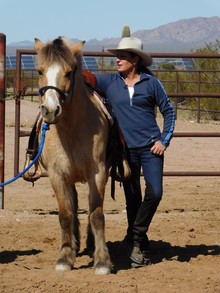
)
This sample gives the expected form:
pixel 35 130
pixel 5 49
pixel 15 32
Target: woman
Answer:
pixel 133 94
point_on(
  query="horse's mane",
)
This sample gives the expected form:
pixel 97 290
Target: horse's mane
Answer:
pixel 58 51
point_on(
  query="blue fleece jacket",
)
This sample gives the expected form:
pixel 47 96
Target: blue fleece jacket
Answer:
pixel 136 116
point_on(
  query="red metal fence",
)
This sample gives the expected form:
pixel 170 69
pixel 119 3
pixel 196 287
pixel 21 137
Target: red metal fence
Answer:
pixel 19 133
pixel 19 91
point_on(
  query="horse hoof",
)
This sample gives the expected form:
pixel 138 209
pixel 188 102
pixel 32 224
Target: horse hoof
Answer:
pixel 61 268
pixel 102 271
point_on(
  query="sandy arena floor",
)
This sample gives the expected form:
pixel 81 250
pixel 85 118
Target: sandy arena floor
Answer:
pixel 184 234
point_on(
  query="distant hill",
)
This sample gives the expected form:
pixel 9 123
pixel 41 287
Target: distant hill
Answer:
pixel 183 35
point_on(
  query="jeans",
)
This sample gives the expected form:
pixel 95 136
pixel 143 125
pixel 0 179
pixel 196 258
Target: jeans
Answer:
pixel 141 211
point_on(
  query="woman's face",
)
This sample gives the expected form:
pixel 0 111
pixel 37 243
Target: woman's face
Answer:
pixel 126 62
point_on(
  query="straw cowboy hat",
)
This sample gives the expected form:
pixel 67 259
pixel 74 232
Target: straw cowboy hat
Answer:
pixel 134 45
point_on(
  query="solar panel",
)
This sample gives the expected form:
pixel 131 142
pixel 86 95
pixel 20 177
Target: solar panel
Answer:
pixel 27 62
pixel 90 63
pixel 188 63
pixel 153 66
pixel 7 62
pixel 11 61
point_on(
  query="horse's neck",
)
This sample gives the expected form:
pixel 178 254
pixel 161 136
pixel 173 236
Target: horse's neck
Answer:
pixel 76 107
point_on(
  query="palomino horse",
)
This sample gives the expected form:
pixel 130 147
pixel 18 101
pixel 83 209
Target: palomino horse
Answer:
pixel 75 147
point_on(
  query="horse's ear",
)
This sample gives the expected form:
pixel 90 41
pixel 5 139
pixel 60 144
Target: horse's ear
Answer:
pixel 76 48
pixel 38 45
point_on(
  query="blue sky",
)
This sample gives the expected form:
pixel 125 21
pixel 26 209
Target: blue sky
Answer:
pixel 93 19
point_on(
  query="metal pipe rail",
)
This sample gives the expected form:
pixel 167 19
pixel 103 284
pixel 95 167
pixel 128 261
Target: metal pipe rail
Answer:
pixel 19 133
pixel 170 173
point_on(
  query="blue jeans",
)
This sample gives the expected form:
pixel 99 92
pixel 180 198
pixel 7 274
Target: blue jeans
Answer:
pixel 141 211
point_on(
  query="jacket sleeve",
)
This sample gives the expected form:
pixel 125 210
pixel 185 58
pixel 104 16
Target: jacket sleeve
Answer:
pixel 102 82
pixel 167 111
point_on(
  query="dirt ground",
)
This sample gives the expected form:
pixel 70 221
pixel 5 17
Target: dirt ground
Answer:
pixel 184 235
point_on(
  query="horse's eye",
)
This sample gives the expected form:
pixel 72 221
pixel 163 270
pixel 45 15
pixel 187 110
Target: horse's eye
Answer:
pixel 68 74
pixel 40 72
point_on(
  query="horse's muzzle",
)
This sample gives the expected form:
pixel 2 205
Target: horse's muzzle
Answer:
pixel 49 115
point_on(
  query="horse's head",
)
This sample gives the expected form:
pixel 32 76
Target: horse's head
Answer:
pixel 57 65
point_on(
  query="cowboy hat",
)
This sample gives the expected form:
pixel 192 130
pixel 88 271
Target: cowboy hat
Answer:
pixel 134 45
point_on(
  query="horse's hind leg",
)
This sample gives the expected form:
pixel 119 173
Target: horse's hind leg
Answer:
pixel 69 224
pixel 102 261
pixel 76 224
pixel 90 242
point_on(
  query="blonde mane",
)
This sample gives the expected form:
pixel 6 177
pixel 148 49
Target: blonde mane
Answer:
pixel 58 51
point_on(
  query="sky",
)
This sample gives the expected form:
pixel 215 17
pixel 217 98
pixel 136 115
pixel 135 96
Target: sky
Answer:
pixel 22 20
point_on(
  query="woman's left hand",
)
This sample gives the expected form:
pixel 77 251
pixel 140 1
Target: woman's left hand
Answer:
pixel 158 148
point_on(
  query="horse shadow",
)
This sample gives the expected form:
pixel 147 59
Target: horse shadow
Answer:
pixel 119 253
pixel 160 251
pixel 10 256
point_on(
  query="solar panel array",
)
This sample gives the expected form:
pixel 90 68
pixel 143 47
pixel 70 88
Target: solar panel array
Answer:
pixel 89 63
pixel 153 66
pixel 29 62
pixel 188 63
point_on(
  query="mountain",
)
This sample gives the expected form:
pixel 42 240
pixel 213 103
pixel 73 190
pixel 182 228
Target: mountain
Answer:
pixel 183 35
pixel 180 36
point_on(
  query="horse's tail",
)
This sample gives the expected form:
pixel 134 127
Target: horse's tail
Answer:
pixel 120 170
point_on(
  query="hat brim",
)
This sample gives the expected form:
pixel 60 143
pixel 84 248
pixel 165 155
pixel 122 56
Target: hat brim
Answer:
pixel 146 58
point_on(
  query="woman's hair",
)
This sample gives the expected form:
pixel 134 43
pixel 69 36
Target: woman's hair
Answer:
pixel 144 69
pixel 140 67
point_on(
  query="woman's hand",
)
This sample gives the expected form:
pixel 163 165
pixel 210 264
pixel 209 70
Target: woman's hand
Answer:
pixel 158 148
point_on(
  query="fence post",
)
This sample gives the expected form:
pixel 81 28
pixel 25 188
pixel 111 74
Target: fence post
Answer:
pixel 198 99
pixel 2 114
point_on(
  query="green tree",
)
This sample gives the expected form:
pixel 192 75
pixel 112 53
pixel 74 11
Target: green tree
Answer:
pixel 209 79
pixel 205 79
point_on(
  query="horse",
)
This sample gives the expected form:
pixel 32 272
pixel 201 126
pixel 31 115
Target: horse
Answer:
pixel 75 148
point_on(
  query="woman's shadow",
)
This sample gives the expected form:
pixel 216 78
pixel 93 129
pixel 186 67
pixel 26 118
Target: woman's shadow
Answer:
pixel 159 251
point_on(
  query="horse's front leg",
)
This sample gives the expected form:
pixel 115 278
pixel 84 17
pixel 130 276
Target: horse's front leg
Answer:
pixel 69 224
pixel 102 261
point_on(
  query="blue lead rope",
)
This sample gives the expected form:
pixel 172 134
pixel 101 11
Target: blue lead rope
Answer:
pixel 45 127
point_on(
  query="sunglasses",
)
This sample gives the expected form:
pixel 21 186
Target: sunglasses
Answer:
pixel 123 56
